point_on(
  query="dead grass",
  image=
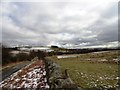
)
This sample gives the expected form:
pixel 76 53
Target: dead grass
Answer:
pixel 32 76
pixel 10 65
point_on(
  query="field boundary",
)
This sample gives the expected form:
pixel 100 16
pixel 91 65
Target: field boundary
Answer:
pixel 58 79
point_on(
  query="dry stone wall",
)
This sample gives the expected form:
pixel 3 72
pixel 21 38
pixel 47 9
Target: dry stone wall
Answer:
pixel 58 79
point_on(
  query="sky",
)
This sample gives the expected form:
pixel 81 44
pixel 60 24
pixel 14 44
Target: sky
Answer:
pixel 68 23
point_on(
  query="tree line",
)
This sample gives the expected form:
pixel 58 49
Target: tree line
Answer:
pixel 7 57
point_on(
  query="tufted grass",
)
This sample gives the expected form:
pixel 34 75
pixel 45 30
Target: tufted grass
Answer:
pixel 89 74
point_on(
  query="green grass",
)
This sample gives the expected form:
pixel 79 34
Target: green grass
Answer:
pixel 88 74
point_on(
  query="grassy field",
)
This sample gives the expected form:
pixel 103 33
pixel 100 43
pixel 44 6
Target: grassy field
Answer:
pixel 87 72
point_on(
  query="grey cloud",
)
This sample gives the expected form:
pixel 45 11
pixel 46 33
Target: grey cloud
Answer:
pixel 60 23
pixel 112 11
pixel 110 35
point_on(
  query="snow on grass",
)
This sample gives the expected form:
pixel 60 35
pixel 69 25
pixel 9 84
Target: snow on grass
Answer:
pixel 32 76
pixel 90 73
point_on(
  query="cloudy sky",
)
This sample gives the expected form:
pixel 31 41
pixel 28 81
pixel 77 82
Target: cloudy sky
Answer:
pixel 83 23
